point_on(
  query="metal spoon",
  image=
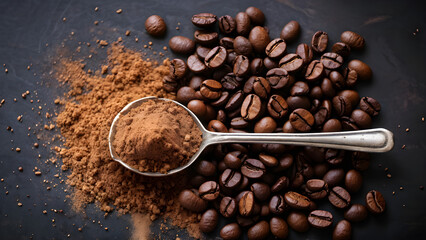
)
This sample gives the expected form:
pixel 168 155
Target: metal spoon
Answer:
pixel 371 140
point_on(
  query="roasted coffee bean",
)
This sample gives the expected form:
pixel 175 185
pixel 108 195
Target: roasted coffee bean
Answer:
pixel 375 202
pixel 259 231
pixel 216 57
pixel 198 107
pixel 290 31
pixel 331 60
pixel 319 41
pixel 231 231
pixel 204 20
pixel 239 123
pixel 327 88
pixel 268 160
pixel 341 48
pixel 182 45
pixel 248 85
pixel 190 200
pixel 277 205
pixel 265 125
pixel 332 125
pixel 298 222
pixel 296 200
pixel 320 219
pixel 216 126
pixel 242 21
pixel 241 66
pixel 195 82
pixel 221 101
pixel 291 62
pixel 354 40
pixel 246 204
pixel 261 191
pixel 228 207
pixel 277 106
pixel 295 102
pixel 232 55
pixel 305 52
pixel 221 116
pixel 230 180
pixel 314 71
pixel 280 185
pixel 342 105
pixel 231 82
pixel 211 89
pixel 361 118
pixel 257 17
pixel 257 67
pixel 342 231
pixel 318 189
pixel 370 106
pixel 261 87
pixel 178 68
pixel 276 48
pixel 227 42
pixel 334 176
pixel 235 101
pixel 302 120
pixel 337 79
pixel 155 26
pixel 195 64
pixel 352 95
pixel 202 52
pixel 334 156
pixel 185 94
pixel 299 88
pixel 205 168
pixel 210 113
pixel 279 78
pixel 252 107
pixel 206 38
pixel 226 24
pixel 350 76
pixel 279 227
pixel 269 63
pixel 339 197
pixel 362 69
pixel 356 213
pixel 259 39
pixel 323 113
pixel 244 184
pixel 348 124
pixel 253 168
pixel 208 221
pixel 353 180
pixel 242 46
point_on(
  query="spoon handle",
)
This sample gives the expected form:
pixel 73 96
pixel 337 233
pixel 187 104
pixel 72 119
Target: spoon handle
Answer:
pixel 371 140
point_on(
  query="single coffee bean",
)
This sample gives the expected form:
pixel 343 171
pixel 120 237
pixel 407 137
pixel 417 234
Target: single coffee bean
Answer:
pixel 195 82
pixel 210 113
pixel 181 45
pixel 265 125
pixel 198 107
pixel 202 52
pixel 354 40
pixel 278 227
pixel 299 88
pixel 331 60
pixel 195 64
pixel 342 231
pixel 268 160
pixel 370 106
pixel 361 118
pixel 228 207
pixel 342 105
pixel 350 76
pixel 318 189
pixel 216 126
pixel 290 31
pixel 253 168
pixel 375 202
pixel 242 46
pixel 242 21
pixel 302 120
pixel 323 113
pixel 360 160
pixel 314 71
pixel 185 94
pixel 257 67
pixel 205 168
pixel 334 176
pixel 295 102
pixel 305 52
pixel 269 63
pixel 320 219
pixel 226 24
pixel 190 200
pixel 279 78
pixel 221 101
pixel 232 55
pixel 252 107
pixel 362 69
pixel 341 48
pixel 234 159
pixel 334 156
pixel 204 20
pixel 216 57
pixel 332 125
pixel 352 95
pixel 206 38
pixel 246 204
pixel 353 180
pixel 296 200
pixel 276 48
pixel 241 66
pixel 259 231
pixel 261 87
pixel 298 222
pixel 231 231
pixel 261 191
pixel 339 197
pixel 327 88
pixel 208 221
pixel 259 39
pixel 178 68
pixel 227 42
pixel 155 26
pixel 281 184
pixel 211 89
pixel 348 124
pixel 356 213
pixel 277 107
pixel 221 116
pixel 291 62
pixel 319 41
pixel 231 82
pixel 239 123
pixel 277 205
pixel 230 180
pixel 257 17
pixel 235 101
pixel 337 79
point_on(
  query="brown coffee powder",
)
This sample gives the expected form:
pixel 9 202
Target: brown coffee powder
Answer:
pixel 156 136
pixel 89 108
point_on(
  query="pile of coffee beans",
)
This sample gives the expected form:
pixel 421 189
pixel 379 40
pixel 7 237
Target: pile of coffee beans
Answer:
pixel 237 79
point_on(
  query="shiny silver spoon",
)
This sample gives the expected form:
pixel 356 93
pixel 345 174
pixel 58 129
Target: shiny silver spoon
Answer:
pixel 371 140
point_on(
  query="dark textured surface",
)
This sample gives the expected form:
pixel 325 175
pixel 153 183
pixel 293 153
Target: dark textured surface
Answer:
pixel 395 54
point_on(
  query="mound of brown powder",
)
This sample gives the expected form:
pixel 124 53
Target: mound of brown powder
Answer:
pixel 156 136
pixel 90 106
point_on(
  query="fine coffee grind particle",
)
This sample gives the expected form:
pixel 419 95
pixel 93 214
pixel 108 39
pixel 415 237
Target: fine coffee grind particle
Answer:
pixel 156 136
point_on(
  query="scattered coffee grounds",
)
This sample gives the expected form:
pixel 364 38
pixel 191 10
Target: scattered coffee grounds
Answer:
pixel 156 136
pixel 89 108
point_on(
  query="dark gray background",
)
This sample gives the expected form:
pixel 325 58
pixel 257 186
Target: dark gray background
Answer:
pixel 395 54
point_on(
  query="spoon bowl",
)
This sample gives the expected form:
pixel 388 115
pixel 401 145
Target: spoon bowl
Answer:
pixel 371 140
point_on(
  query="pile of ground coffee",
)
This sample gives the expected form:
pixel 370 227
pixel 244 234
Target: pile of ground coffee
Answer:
pixel 156 136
